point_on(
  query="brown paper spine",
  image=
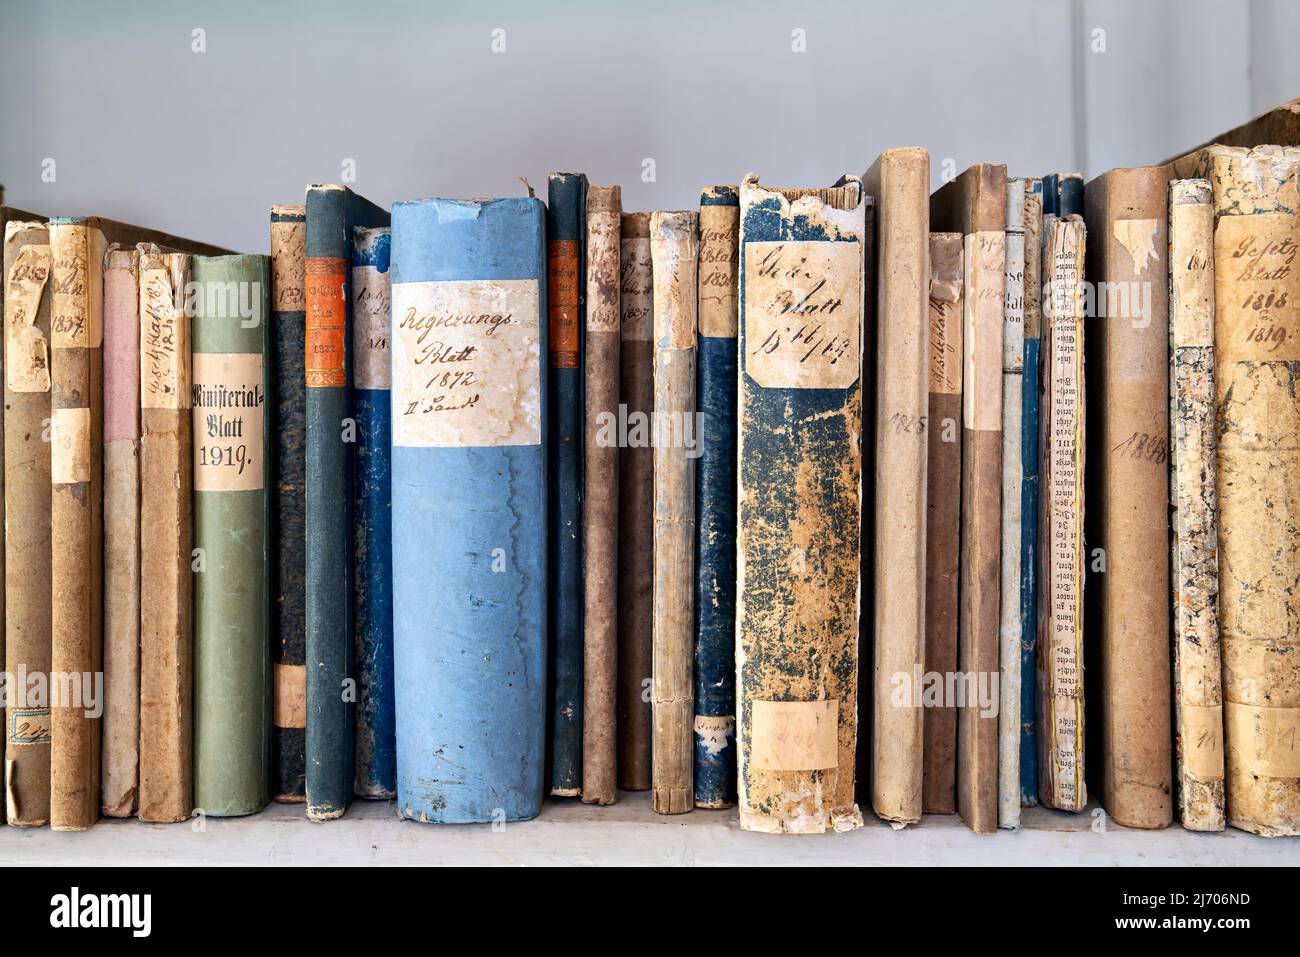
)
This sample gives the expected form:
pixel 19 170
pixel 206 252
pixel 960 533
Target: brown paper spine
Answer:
pixel 600 497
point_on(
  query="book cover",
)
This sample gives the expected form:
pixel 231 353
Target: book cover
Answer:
pixel 801 301
pixel 469 508
pixel 231 367
pixel 332 213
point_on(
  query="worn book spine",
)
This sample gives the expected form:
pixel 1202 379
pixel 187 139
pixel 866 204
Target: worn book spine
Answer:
pixel 1127 216
pixel 900 182
pixel 332 212
pixel 1029 453
pixel 1063 194
pixel 943 514
pixel 27 294
pixel 799 504
pixel 674 252
pixel 600 496
pixel 635 505
pixel 1194 576
pixel 1256 364
pixel 121 741
pixel 232 611
pixel 288 642
pixel 376 757
pixel 1061 515
pixel 715 501
pixel 166 579
pixel 76 536
pixel 469 549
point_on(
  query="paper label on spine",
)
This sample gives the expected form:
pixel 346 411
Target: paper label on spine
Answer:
pixel 1202 735
pixel 370 328
pixel 290 696
pixel 229 404
pixel 288 266
pixel 1191 265
pixel 794 735
pixel 719 263
pixel 27 353
pixel 803 314
pixel 1255 258
pixel 77 293
pixel 466 363
pixel 327 320
pixel 984 261
pixel 29 725
pixel 70 446
pixel 164 343
pixel 603 252
pixel 1264 741
pixel 637 292
pixel 563 276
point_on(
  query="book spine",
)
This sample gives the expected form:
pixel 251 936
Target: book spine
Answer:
pixel 600 496
pixel 166 579
pixel 376 757
pixel 76 534
pixel 799 505
pixel 635 505
pixel 674 252
pixel 121 741
pixel 1033 328
pixel 1257 348
pixel 1069 195
pixel 232 612
pixel 566 266
pixel 469 556
pixel 1127 214
pixel 1011 636
pixel 1198 685
pixel 27 487
pixel 900 182
pixel 715 501
pixel 1060 535
pixel 288 644
pixel 943 518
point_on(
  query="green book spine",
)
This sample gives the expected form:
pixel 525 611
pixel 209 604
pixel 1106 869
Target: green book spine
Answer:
pixel 232 614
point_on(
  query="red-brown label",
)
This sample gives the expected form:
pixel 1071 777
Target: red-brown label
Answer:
pixel 326 325
pixel 563 276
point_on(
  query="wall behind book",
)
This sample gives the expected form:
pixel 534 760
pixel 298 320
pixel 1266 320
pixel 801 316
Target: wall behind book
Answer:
pixel 195 117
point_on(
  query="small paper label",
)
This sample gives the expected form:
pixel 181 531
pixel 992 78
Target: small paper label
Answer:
pixel 637 289
pixel 288 266
pixel 603 252
pixel 714 732
pixel 1255 258
pixel 370 351
pixel 466 363
pixel 794 735
pixel 719 263
pixel 27 353
pixel 70 446
pixel 1264 741
pixel 326 324
pixel 290 696
pixel 985 264
pixel 72 309
pixel 1191 267
pixel 29 726
pixel 164 343
pixel 1202 735
pixel 229 404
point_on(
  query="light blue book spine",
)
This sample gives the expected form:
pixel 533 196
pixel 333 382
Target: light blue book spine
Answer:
pixel 469 508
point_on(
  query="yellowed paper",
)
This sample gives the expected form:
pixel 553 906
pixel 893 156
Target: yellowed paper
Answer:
pixel 794 735
pixel 229 422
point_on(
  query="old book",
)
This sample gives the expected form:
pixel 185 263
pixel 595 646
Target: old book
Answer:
pixel 801 297
pixel 376 757
pixel 1279 126
pixel 27 293
pixel 121 731
pixel 674 251
pixel 1194 575
pixel 1061 516
pixel 1063 194
pixel 474 628
pixel 715 501
pixel 976 205
pixel 1127 214
pixel 943 515
pixel 289 638
pixel 332 213
pixel 232 611
pixel 900 182
pixel 600 496
pixel 1257 346
pixel 635 505
pixel 1029 487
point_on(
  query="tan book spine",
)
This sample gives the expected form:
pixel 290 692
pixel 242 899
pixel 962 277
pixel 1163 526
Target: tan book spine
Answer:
pixel 166 636
pixel 27 292
pixel 674 247
pixel 900 182
pixel 1198 684
pixel 1257 348
pixel 943 518
pixel 1060 528
pixel 600 497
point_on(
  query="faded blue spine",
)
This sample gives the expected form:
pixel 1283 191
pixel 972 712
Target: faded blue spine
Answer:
pixel 1028 576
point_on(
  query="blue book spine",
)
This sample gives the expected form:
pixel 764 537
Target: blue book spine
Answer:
pixel 1028 577
pixel 376 754
pixel 715 502
pixel 469 508
pixel 566 218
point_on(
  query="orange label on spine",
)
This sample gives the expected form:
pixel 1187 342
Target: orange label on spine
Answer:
pixel 327 319
pixel 563 275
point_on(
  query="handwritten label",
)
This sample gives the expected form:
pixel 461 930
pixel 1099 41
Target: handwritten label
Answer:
pixel 562 296
pixel 288 266
pixel 1202 738
pixel 714 732
pixel 229 402
pixel 164 339
pixel 985 266
pixel 793 735
pixel 70 446
pixel 77 291
pixel 370 298
pixel 1263 741
pixel 1255 261
pixel 637 290
pixel 29 726
pixel 803 314
pixel 1191 266
pixel 719 264
pixel 466 363
pixel 603 250
pixel 27 353
pixel 326 323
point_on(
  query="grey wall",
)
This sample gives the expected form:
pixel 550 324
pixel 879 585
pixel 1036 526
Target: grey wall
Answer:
pixel 144 129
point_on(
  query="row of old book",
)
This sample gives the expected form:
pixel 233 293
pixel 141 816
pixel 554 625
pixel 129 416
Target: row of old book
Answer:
pixel 799 500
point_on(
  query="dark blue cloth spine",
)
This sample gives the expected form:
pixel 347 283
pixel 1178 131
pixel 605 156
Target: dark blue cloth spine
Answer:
pixel 1029 575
